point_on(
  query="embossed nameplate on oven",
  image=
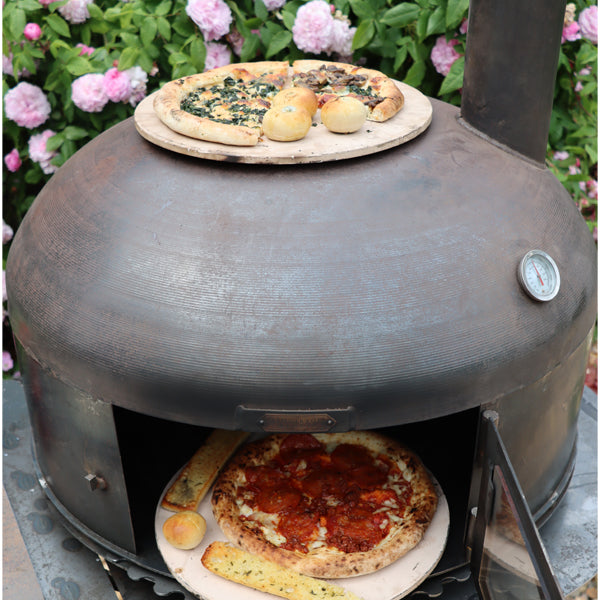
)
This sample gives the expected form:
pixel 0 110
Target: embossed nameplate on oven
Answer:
pixel 272 421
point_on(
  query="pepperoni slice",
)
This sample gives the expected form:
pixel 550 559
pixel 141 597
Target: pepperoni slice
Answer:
pixel 367 476
pixel 264 476
pixel 299 528
pixel 300 441
pixel 324 483
pixel 357 530
pixel 278 500
pixel 349 456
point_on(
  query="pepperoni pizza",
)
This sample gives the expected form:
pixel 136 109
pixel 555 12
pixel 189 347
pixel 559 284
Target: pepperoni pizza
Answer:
pixel 326 505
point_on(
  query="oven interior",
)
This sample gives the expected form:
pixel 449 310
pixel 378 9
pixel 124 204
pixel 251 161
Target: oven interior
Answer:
pixel 153 450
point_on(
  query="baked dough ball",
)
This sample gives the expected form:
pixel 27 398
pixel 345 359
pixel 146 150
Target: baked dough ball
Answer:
pixel 184 530
pixel 343 114
pixel 286 123
pixel 297 96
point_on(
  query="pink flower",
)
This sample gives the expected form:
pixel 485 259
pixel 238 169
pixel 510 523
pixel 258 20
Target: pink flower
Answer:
pixel 32 31
pixel 75 11
pixel 570 33
pixel 12 160
pixel 87 92
pixel 313 27
pixel 85 50
pixel 38 152
pixel 274 4
pixel 27 105
pixel 588 23
pixel 7 361
pixel 213 17
pixel 138 78
pixel 7 232
pixel 561 155
pixel 217 55
pixel 443 55
pixel 341 38
pixel 117 85
pixel 464 26
pixel 8 68
pixel 46 2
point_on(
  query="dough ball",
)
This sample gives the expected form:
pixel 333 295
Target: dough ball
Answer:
pixel 343 114
pixel 184 530
pixel 297 96
pixel 286 123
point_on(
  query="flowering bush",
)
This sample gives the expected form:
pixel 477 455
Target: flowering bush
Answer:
pixel 73 68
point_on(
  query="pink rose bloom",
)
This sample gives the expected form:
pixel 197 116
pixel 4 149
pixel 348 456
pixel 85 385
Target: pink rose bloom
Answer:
pixel 75 11
pixel 464 26
pixel 87 92
pixel 12 160
pixel 38 152
pixel 443 55
pixel 7 361
pixel 588 23
pixel 46 2
pixel 117 85
pixel 217 55
pixel 213 17
pixel 7 232
pixel 138 78
pixel 570 33
pixel 27 105
pixel 313 27
pixel 561 155
pixel 341 38
pixel 274 4
pixel 85 50
pixel 32 31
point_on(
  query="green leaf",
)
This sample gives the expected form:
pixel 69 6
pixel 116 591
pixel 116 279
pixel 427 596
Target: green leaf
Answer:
pixel 250 47
pixel 454 80
pixel 163 8
pixel 148 30
pixel 95 11
pixel 401 55
pixel 278 42
pixel 128 58
pixel 58 24
pixel 364 34
pixel 164 28
pixel 362 9
pixel 55 142
pixel 198 53
pixel 72 132
pixel 415 74
pixel 455 12
pixel 260 10
pixel 436 22
pixel 17 20
pixel 78 65
pixel 401 14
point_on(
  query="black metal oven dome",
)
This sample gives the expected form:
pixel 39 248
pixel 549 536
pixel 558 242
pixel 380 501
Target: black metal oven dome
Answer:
pixel 381 289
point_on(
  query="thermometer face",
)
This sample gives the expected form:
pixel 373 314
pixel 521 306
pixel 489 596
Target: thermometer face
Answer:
pixel 538 274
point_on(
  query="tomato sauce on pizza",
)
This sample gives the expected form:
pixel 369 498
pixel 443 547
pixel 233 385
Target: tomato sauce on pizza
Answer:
pixel 328 505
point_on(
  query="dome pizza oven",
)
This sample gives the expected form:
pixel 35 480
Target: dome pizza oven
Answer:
pixel 154 296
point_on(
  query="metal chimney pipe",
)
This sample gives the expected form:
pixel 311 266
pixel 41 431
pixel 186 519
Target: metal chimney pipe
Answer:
pixel 510 70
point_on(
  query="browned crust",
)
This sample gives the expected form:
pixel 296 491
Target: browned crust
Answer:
pixel 168 100
pixel 324 562
pixel 381 83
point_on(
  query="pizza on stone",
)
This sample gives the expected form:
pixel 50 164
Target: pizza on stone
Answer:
pixel 227 104
pixel 325 505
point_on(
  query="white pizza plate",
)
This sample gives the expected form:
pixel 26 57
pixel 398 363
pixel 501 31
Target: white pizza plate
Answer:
pixel 390 583
pixel 319 145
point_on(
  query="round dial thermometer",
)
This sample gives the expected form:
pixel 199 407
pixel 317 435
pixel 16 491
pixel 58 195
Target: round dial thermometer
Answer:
pixel 538 274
